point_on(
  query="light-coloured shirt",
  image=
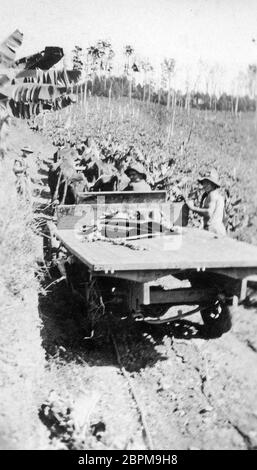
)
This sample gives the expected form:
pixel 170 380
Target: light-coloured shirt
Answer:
pixel 213 222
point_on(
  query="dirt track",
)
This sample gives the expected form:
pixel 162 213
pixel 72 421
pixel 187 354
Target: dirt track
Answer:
pixel 193 393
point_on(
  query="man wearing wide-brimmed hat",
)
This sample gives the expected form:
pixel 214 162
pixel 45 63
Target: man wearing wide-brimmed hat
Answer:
pixel 137 175
pixel 26 153
pixel 20 169
pixel 26 150
pixel 20 164
pixel 212 204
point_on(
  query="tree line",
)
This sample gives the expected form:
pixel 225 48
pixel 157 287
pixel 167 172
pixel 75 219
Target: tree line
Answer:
pixel 121 86
pixel 96 69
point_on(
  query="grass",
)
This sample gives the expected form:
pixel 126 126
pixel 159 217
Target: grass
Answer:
pixel 17 239
pixel 21 353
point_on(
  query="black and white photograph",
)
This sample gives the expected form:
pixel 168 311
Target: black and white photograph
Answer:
pixel 128 228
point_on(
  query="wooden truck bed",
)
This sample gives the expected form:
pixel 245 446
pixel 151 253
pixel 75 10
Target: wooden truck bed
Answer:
pixel 193 249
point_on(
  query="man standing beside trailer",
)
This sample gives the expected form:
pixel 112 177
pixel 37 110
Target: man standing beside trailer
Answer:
pixel 212 204
pixel 20 169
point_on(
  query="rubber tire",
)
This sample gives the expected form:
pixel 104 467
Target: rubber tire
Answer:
pixel 217 319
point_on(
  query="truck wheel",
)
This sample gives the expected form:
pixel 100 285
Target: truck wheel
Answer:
pixel 217 318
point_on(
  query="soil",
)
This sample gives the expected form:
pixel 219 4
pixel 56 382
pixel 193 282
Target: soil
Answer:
pixel 132 386
pixel 194 393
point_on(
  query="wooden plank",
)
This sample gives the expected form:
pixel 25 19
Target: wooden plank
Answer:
pixel 179 214
pixel 112 197
pixel 181 296
pixel 136 276
pixel 237 273
pixel 137 294
pixel 69 216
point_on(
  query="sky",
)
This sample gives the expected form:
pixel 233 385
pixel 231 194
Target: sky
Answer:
pixel 220 33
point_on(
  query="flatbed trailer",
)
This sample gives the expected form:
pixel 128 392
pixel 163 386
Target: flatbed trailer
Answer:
pixel 186 267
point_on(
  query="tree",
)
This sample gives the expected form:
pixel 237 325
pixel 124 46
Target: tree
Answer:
pixel 168 68
pixel 106 56
pixel 128 52
pixel 147 69
pixel 240 87
pixel 95 55
pixel 77 58
pixel 252 77
pixel 92 60
pixel 99 60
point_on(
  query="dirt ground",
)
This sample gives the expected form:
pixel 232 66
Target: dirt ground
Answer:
pixel 193 393
pixel 135 386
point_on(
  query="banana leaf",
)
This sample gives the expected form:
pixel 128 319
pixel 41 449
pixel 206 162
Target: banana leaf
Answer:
pixel 8 48
pixel 43 60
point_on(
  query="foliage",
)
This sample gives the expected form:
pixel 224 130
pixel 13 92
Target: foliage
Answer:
pixel 99 57
pixel 126 131
pixel 100 86
pixel 77 58
pixel 17 239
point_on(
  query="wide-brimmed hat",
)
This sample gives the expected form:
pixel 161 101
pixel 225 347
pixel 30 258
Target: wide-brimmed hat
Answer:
pixel 211 176
pixel 138 168
pixel 27 149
